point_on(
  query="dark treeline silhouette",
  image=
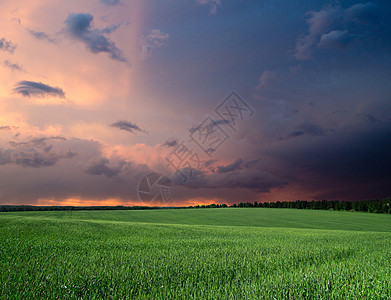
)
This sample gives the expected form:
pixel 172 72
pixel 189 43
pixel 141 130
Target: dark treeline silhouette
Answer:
pixel 371 206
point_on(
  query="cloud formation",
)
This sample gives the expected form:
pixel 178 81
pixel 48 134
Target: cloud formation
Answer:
pixel 335 39
pixel 100 166
pixel 40 35
pixel 35 153
pixel 12 66
pixel 319 131
pixel 170 143
pixel 7 46
pixel 127 126
pixel 334 27
pixel 236 165
pixel 59 174
pixel 37 89
pixel 79 26
pixel 210 127
pixel 306 128
pixel 234 177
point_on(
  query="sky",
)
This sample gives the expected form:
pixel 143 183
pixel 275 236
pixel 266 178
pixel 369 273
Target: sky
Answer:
pixel 226 101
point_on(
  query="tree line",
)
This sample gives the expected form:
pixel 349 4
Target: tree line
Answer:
pixel 382 206
pixel 372 206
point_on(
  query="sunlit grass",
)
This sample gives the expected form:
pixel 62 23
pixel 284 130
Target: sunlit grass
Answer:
pixel 123 255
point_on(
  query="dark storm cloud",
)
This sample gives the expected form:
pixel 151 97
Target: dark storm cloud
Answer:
pixel 100 166
pixel 78 25
pixel 321 119
pixel 35 153
pixel 40 35
pixel 254 180
pixel 323 122
pixel 237 175
pixel 248 179
pixel 7 46
pixel 12 66
pixel 346 165
pixel 38 89
pixel 127 126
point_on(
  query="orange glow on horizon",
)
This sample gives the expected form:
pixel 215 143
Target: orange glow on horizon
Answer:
pixel 79 202
pixel 120 202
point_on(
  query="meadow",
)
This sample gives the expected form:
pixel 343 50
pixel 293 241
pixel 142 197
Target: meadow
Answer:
pixel 227 253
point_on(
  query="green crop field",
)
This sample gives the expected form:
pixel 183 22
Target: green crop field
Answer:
pixel 230 253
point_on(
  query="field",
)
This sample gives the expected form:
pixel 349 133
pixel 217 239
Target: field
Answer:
pixel 230 253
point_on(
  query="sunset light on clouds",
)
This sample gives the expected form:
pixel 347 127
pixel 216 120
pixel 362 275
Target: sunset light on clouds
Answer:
pixel 97 94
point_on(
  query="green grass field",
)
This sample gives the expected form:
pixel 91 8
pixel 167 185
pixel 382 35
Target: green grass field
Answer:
pixel 242 253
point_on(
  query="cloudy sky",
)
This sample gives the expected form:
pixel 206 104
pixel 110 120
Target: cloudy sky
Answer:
pixel 257 100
